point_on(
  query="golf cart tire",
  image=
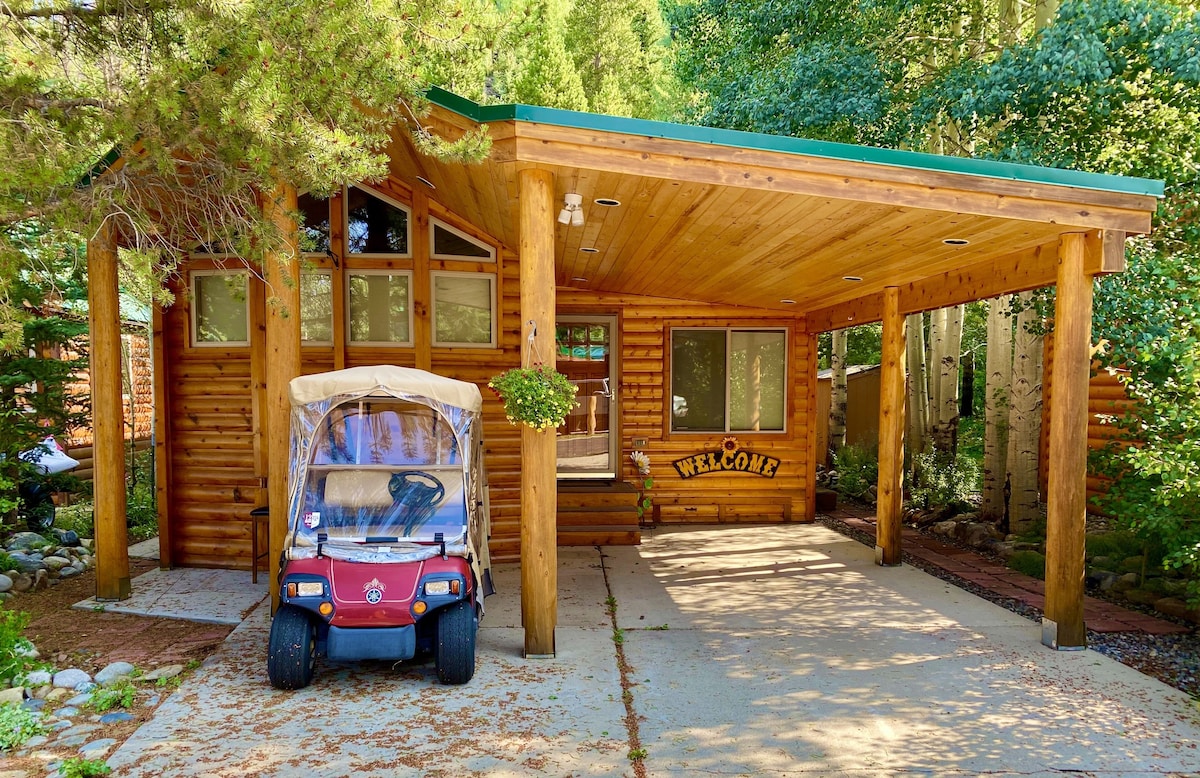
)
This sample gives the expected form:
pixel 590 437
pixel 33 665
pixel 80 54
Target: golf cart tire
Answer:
pixel 40 517
pixel 291 652
pixel 456 643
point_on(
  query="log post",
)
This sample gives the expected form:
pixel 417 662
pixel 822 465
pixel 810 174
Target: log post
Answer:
pixel 108 418
pixel 1066 492
pixel 281 270
pixel 539 496
pixel 889 497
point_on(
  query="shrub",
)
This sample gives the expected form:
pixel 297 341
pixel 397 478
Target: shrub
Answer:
pixel 938 480
pixel 18 725
pixel 109 697
pixel 857 467
pixel 78 767
pixel 14 649
pixel 1028 562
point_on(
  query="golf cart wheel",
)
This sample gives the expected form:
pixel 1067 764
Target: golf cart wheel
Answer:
pixel 292 650
pixel 37 508
pixel 456 643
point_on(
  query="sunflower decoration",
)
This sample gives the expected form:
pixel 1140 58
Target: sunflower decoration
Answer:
pixel 729 444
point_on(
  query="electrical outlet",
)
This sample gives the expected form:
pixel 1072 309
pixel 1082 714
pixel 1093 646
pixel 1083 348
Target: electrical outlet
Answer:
pixel 640 442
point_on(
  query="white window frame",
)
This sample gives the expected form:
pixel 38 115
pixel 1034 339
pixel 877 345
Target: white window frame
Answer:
pixel 433 276
pixel 350 273
pixel 193 313
pixel 670 389
pixel 321 271
pixel 408 224
pixel 435 223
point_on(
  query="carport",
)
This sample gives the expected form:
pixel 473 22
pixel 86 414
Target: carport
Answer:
pixel 823 235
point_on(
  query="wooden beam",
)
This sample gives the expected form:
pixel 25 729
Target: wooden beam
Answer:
pixel 1066 499
pixel 337 245
pixel 281 271
pixel 1108 247
pixel 422 291
pixel 162 436
pixel 891 431
pixel 539 493
pixel 108 419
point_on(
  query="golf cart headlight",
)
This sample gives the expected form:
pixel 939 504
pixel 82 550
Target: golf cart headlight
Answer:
pixel 310 589
pixel 434 588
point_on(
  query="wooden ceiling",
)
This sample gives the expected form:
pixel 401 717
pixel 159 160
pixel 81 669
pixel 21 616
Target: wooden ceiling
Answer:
pixel 746 225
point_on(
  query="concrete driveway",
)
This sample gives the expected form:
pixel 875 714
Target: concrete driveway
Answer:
pixel 758 651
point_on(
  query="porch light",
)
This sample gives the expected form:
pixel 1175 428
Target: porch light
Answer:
pixel 590 250
pixel 956 241
pixel 787 301
pixel 608 201
pixel 855 279
pixel 572 212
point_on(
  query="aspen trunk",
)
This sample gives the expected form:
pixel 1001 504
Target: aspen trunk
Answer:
pixel 837 394
pixel 996 407
pixel 1024 420
pixel 946 434
pixel 918 388
pixel 933 357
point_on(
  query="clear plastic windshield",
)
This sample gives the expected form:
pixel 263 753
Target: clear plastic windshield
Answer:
pixel 383 470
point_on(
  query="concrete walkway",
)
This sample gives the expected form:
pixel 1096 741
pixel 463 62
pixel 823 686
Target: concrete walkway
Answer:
pixel 770 651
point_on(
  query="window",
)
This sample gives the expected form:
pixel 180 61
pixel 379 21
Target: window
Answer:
pixel 445 242
pixel 314 231
pixel 379 307
pixel 728 380
pixel 316 307
pixel 463 305
pixel 375 225
pixel 220 308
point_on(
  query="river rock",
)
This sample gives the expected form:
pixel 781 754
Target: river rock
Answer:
pixel 6 583
pixel 113 673
pixel 69 572
pixel 39 678
pixel 166 671
pixel 71 679
pixel 22 583
pixel 97 747
pixel 1173 606
pixel 15 694
pixel 56 562
pixel 26 563
pixel 945 528
pixel 116 717
pixel 23 541
pixel 66 537
pixel 41 579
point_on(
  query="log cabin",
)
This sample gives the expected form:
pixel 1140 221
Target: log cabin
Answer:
pixel 678 274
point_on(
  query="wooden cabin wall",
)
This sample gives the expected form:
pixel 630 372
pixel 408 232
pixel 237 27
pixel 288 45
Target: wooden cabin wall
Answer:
pixel 209 417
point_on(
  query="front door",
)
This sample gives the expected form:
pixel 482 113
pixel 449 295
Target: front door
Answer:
pixel 586 354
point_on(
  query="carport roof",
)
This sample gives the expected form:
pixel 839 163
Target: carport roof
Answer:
pixel 782 223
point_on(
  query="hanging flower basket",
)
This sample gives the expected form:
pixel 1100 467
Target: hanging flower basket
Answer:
pixel 539 396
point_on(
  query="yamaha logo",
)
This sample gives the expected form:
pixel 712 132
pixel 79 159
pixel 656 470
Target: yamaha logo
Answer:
pixel 374 596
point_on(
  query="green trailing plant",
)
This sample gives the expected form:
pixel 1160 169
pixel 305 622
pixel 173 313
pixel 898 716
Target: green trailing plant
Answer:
pixel 78 767
pixel 939 479
pixel 14 649
pixel 539 397
pixel 17 725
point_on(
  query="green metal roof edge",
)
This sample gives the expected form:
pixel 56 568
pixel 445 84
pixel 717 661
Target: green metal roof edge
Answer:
pixel 787 144
pixel 98 169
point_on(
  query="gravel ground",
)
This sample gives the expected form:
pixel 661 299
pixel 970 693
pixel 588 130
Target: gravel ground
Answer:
pixel 1172 659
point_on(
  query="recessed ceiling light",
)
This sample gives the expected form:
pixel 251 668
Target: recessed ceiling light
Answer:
pixel 606 201
pixel 787 301
pixel 956 241
pixel 589 250
pixel 580 279
pixel 856 279
pixel 426 182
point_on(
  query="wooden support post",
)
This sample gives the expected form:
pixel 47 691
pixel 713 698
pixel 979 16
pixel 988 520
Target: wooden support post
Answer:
pixel 281 269
pixel 162 438
pixel 422 291
pixel 889 497
pixel 539 496
pixel 108 419
pixel 1066 492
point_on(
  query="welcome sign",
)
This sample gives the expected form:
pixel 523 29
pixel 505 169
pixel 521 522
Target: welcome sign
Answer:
pixel 729 458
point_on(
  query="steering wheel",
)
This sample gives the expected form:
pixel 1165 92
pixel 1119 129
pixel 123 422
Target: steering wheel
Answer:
pixel 430 489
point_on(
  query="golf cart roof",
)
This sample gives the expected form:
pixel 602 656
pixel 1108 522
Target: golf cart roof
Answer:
pixel 385 381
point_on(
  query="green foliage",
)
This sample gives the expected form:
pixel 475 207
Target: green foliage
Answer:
pixel 14 649
pixel 18 725
pixel 539 397
pixel 1116 545
pixel 857 467
pixel 120 695
pixel 1028 562
pixel 78 767
pixel 937 480
pixel 141 499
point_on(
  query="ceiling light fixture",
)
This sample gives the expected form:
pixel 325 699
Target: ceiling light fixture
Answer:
pixel 788 301
pixel 956 241
pixel 590 250
pixel 611 203
pixel 426 182
pixel 580 279
pixel 572 212
pixel 855 279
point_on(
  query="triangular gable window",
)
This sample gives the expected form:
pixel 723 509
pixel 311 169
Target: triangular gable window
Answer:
pixel 449 243
pixel 375 225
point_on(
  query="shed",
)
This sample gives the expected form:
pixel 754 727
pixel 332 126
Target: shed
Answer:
pixel 862 406
pixel 706 264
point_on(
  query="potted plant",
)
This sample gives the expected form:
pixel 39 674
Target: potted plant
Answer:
pixel 538 396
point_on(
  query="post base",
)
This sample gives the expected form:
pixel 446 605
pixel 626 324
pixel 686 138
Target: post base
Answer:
pixel 1050 637
pixel 881 558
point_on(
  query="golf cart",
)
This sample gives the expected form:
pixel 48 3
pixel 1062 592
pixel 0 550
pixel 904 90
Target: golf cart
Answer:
pixel 386 555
